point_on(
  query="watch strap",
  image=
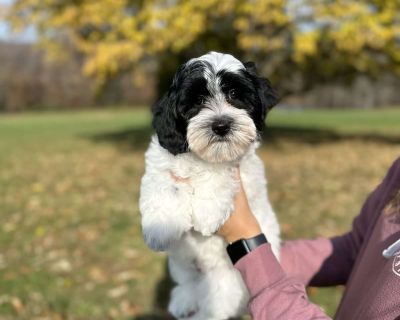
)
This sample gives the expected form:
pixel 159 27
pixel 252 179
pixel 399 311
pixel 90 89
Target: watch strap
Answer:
pixel 241 247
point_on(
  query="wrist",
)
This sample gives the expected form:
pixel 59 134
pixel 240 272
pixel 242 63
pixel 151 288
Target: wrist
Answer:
pixel 242 247
pixel 246 232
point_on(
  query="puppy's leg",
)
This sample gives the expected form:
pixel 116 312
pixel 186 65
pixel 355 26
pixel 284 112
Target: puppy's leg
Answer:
pixel 186 273
pixel 209 215
pixel 255 186
pixel 184 301
pixel 166 210
pixel 221 295
pixel 213 203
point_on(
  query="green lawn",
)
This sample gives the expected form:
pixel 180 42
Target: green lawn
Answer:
pixel 369 121
pixel 70 242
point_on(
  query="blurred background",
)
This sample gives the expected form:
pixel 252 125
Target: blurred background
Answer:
pixel 76 81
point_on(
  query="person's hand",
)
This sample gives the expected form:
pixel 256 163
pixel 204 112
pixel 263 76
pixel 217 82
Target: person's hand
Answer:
pixel 241 224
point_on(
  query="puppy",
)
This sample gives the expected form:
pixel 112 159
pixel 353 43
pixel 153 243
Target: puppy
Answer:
pixel 207 124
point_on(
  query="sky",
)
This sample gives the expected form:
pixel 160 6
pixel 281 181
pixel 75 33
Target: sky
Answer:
pixel 8 35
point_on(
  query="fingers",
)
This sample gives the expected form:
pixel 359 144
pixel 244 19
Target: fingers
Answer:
pixel 236 173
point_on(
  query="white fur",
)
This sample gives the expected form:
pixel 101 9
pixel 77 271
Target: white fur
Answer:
pixel 182 218
pixel 220 61
pixel 208 146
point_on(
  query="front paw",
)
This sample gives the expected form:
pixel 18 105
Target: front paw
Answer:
pixel 160 237
pixel 166 216
pixel 208 216
pixel 183 303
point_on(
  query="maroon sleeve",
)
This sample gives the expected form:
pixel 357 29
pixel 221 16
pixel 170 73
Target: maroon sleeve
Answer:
pixel 274 295
pixel 303 259
pixel 322 262
pixel 327 262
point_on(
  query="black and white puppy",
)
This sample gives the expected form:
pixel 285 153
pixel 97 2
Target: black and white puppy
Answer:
pixel 207 124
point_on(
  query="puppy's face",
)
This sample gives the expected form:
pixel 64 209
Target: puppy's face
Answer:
pixel 215 107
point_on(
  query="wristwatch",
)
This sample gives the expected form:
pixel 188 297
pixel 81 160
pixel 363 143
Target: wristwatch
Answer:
pixel 241 247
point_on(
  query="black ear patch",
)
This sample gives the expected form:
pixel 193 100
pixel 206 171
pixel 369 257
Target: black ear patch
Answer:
pixel 269 97
pixel 172 113
pixel 169 126
pixel 250 67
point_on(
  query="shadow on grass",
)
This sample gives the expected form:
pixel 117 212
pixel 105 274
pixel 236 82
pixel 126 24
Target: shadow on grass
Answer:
pixel 161 298
pixel 138 139
pixel 274 134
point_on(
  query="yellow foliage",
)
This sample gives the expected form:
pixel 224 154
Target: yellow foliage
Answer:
pixel 305 44
pixel 118 34
pixel 358 25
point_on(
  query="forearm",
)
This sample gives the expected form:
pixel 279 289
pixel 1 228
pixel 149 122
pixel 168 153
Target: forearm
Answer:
pixel 327 262
pixel 318 262
pixel 274 295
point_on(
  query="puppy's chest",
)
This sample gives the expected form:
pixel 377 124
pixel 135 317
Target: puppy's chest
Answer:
pixel 204 177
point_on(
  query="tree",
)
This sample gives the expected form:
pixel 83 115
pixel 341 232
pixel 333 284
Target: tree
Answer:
pixel 344 38
pixel 316 39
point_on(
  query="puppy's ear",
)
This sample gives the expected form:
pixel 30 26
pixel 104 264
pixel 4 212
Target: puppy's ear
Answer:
pixel 169 126
pixel 269 97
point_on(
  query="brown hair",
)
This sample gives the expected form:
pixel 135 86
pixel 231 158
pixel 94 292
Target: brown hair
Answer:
pixel 393 206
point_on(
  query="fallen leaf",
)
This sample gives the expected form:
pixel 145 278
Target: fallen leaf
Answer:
pixel 117 291
pixel 97 274
pixel 17 305
pixel 62 265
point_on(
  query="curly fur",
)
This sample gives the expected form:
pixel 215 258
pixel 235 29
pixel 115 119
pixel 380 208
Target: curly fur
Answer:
pixel 215 89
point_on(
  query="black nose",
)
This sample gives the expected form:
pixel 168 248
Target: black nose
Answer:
pixel 221 126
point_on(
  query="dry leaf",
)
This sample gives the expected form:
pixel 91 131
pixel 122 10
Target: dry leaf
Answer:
pixel 97 274
pixel 17 305
pixel 62 265
pixel 117 291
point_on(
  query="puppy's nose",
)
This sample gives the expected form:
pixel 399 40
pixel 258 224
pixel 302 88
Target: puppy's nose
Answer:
pixel 221 126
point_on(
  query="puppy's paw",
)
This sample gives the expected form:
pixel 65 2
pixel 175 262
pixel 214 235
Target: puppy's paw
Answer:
pixel 161 237
pixel 166 214
pixel 208 216
pixel 183 303
pixel 206 229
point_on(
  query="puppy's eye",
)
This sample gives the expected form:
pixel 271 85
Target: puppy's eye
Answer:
pixel 232 94
pixel 200 100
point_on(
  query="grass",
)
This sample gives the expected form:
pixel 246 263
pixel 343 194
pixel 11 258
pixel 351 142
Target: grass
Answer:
pixel 70 242
pixel 383 121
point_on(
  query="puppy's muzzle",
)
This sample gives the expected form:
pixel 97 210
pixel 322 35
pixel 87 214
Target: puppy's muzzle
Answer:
pixel 222 126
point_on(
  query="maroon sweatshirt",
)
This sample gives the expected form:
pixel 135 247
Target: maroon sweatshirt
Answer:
pixel 354 259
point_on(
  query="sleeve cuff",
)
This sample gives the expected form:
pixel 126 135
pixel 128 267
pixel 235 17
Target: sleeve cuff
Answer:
pixel 260 269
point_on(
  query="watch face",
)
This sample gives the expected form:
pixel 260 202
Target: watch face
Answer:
pixel 237 250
